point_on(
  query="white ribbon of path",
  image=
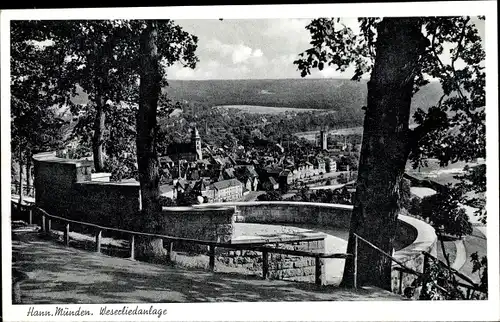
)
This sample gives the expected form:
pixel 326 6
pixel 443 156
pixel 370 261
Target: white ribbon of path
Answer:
pixel 482 229
pixel 461 255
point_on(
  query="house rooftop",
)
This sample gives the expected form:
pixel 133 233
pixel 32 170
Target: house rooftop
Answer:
pixel 285 172
pixel 165 158
pixel 251 172
pixel 166 188
pixel 224 184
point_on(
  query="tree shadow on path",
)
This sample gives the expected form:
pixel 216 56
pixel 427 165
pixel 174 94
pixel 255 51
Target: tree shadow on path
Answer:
pixel 59 274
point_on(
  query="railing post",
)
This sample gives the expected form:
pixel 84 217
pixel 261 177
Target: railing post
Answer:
pixel 132 247
pixel 265 263
pixel 43 222
pixel 426 263
pixel 30 215
pixel 49 225
pixel 66 235
pixel 171 250
pixel 98 236
pixel 425 271
pixel 355 268
pixel 317 274
pixel 400 282
pixel 211 262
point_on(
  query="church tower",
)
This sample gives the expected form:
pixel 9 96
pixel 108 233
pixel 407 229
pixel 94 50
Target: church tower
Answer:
pixel 196 142
pixel 323 140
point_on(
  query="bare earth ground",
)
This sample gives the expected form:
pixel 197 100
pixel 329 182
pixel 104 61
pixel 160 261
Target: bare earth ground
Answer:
pixel 59 274
pixel 476 242
pixel 451 250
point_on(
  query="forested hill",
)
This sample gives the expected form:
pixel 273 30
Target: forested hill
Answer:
pixel 343 96
pixel 332 94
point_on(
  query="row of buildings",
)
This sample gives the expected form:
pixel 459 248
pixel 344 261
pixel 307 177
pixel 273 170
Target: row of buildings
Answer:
pixel 220 175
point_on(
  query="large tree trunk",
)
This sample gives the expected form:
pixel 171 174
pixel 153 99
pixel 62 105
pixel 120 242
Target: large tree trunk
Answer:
pixel 28 172
pixel 147 158
pixel 20 177
pixel 384 150
pixel 98 138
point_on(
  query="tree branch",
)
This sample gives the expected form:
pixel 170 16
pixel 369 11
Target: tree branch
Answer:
pixel 460 46
pixel 456 56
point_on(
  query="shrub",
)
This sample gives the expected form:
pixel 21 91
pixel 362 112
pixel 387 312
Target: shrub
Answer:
pixel 446 214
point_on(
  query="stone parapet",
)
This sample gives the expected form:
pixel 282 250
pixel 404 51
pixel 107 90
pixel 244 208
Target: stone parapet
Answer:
pixel 414 235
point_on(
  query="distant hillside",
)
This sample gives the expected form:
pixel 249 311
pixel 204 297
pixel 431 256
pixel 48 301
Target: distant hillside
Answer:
pixel 336 94
pixel 344 96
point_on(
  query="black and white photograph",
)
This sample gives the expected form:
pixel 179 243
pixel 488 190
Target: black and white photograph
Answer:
pixel 298 161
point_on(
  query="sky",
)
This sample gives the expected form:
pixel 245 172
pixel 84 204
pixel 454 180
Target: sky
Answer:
pixel 249 49
pixel 253 49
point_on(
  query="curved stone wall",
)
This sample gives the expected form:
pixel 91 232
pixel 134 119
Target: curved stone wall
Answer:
pixel 414 235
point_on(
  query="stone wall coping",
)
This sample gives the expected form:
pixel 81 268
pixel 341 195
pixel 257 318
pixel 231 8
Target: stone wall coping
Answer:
pixel 109 183
pixel 51 157
pixel 278 203
pixel 426 238
pixel 187 209
pixel 426 235
pixel 297 237
pixel 100 174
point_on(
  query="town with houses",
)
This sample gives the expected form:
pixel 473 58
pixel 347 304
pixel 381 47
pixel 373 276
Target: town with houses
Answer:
pixel 219 175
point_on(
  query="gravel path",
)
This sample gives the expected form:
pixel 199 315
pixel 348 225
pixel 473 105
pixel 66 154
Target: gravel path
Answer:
pixel 58 274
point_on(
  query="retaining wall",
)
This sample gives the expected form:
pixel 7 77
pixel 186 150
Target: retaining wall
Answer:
pixel 213 224
pixel 64 188
pixel 294 268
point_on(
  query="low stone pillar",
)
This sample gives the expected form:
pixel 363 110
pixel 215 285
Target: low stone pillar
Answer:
pixel 101 177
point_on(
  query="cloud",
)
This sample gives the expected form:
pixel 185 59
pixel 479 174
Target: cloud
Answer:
pixel 210 70
pixel 257 53
pixel 177 71
pixel 286 27
pixel 238 53
pixel 241 53
pixel 250 48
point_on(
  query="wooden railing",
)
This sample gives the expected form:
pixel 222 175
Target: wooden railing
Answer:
pixel 471 286
pixel 46 226
pixel 27 190
pixel 46 223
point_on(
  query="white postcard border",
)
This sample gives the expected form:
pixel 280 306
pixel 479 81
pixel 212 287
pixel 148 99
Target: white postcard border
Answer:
pixel 293 311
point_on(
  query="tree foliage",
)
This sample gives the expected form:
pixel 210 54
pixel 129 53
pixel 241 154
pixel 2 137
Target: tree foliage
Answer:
pixel 405 194
pixel 270 196
pixel 446 214
pixel 337 196
pixel 102 57
pixel 37 94
pixel 37 91
pixel 454 128
pixel 472 188
pixel 187 198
